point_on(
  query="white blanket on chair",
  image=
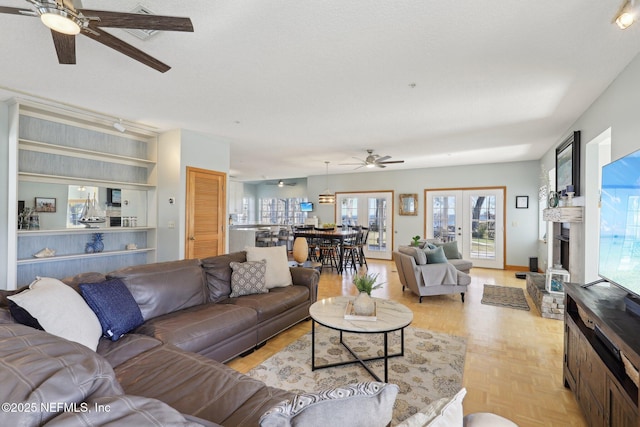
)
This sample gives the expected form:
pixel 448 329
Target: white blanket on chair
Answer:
pixel 439 274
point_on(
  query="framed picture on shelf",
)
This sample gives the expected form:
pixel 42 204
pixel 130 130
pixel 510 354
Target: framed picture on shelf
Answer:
pixel 114 197
pixel 45 204
pixel 522 202
pixel 568 164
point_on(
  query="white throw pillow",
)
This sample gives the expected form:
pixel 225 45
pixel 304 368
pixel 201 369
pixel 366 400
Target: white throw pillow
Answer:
pixel 61 311
pixel 278 274
pixel 440 413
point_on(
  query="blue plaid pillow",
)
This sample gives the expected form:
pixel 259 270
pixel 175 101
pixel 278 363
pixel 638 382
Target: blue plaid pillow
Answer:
pixel 114 306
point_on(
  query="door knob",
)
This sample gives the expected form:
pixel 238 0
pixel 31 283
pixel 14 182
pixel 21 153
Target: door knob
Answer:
pixel 192 238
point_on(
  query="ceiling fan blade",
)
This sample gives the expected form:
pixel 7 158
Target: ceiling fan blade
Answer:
pixel 17 11
pixel 380 165
pixel 390 162
pixel 65 47
pixel 107 39
pixel 138 21
pixel 382 159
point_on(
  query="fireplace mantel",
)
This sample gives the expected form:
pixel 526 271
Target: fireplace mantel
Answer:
pixel 563 214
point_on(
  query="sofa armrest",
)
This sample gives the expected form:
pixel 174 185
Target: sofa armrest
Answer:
pixel 308 277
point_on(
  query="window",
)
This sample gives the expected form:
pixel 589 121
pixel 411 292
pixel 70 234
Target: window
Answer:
pixel 282 211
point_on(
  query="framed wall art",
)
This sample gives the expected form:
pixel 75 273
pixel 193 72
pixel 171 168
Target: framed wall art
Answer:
pixel 522 202
pixel 568 165
pixel 409 204
pixel 45 204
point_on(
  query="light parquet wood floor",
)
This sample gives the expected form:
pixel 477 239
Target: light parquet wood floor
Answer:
pixel 513 365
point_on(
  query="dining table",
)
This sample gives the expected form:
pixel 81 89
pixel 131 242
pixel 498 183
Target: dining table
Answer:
pixel 336 235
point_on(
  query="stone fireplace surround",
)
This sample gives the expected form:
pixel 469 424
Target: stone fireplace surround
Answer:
pixel 565 242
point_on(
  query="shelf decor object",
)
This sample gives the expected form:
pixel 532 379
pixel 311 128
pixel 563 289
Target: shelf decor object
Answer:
pixel 45 204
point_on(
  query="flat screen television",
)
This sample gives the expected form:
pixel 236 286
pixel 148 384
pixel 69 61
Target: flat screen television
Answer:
pixel 306 206
pixel 619 260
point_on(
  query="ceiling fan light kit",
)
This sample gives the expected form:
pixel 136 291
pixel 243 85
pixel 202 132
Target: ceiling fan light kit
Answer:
pixel 60 20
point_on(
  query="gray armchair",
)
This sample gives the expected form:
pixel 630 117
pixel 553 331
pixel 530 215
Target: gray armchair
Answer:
pixel 425 279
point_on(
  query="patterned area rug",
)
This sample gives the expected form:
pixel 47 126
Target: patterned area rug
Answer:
pixel 504 296
pixel 430 369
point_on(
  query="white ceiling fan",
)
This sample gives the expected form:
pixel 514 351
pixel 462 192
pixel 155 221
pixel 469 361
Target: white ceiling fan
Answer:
pixel 373 161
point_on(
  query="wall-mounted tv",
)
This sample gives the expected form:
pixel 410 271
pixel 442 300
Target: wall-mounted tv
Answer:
pixel 306 206
pixel 619 261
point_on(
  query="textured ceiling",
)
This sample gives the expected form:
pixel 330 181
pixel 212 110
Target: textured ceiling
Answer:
pixel 292 84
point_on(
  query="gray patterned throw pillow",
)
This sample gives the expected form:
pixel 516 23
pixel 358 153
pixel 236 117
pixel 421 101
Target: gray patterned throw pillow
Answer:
pixel 363 404
pixel 248 278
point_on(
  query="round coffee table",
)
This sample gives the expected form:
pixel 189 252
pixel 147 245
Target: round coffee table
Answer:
pixel 391 316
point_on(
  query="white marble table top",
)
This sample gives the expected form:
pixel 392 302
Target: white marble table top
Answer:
pixel 390 315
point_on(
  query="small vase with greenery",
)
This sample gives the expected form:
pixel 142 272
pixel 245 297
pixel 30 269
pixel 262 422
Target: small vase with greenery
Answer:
pixel 415 241
pixel 366 282
pixel 363 305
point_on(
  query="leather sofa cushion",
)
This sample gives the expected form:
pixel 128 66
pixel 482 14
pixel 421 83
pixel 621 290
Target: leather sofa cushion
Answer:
pixel 78 279
pixel 277 301
pixel 125 348
pixel 218 271
pixel 57 370
pixel 199 386
pixel 200 327
pixel 123 411
pixel 164 287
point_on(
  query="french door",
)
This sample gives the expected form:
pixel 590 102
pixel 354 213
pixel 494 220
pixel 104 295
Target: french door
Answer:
pixel 371 210
pixel 474 218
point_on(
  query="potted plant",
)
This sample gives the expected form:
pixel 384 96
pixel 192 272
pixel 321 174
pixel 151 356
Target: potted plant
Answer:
pixel 365 283
pixel 415 241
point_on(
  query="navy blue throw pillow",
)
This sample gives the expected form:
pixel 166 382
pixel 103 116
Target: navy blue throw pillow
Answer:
pixel 114 305
pixel 23 317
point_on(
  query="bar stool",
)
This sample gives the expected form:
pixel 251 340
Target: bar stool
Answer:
pixel 351 251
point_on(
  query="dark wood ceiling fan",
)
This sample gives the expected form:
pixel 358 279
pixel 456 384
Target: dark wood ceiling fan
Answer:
pixel 66 18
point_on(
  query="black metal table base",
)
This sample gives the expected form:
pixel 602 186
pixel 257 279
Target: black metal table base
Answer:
pixel 358 359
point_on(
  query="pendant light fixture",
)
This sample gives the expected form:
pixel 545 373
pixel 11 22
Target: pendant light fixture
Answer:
pixel 327 198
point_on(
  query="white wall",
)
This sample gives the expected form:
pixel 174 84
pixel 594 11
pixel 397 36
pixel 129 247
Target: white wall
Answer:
pixel 520 179
pixel 4 189
pixel 178 149
pixel 618 107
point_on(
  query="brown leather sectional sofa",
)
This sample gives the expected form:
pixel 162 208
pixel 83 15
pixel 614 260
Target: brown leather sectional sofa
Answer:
pixel 168 371
pixel 186 303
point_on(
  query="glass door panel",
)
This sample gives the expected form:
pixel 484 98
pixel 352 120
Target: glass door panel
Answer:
pixel 377 219
pixel 473 218
pixel 372 210
pixel 483 227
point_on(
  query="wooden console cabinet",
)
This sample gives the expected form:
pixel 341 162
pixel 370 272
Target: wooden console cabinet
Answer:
pixel 593 368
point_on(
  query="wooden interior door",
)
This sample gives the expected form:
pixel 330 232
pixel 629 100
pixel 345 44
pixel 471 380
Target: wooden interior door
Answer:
pixel 206 213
